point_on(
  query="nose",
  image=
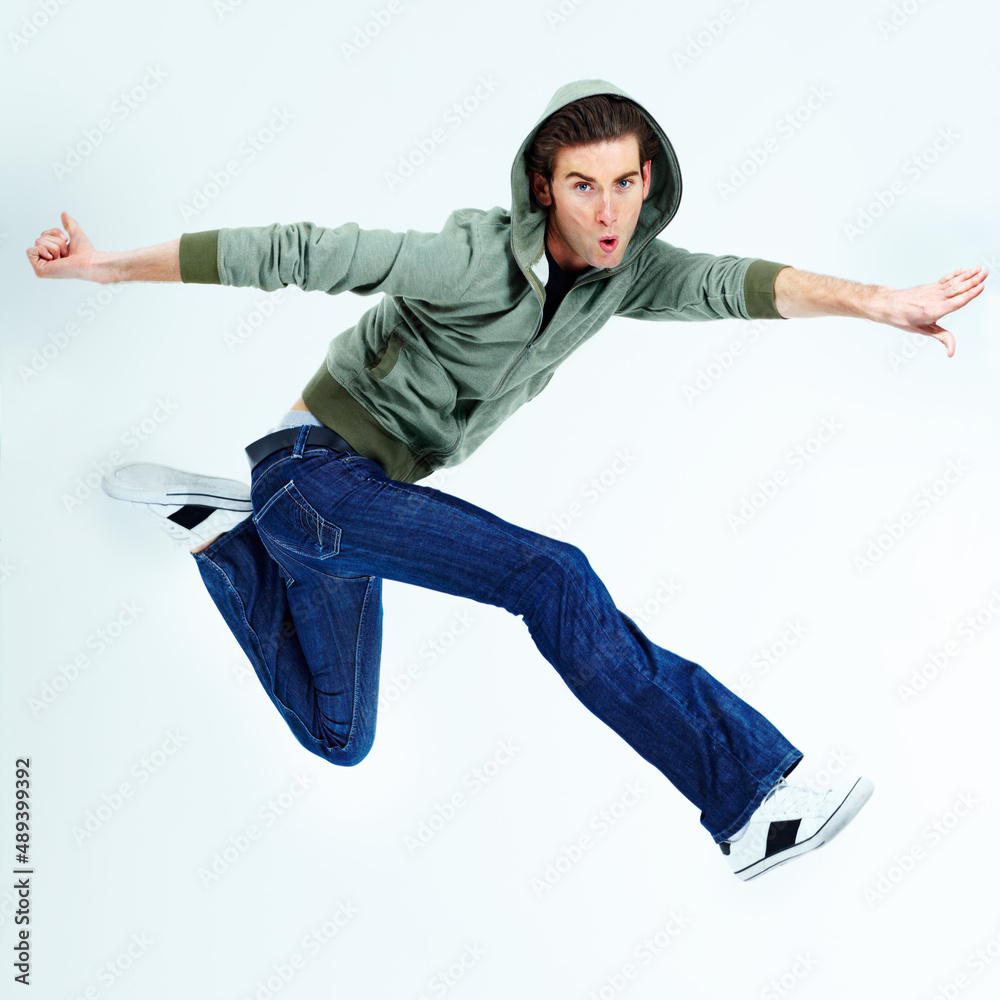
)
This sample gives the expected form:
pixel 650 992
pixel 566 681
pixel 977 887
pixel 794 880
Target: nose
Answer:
pixel 606 211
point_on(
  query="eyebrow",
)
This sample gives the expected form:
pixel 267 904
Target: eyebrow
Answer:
pixel 591 180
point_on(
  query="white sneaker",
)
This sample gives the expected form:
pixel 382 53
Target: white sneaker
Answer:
pixel 191 508
pixel 791 821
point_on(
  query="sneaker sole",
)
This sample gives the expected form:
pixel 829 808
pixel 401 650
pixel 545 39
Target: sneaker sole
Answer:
pixel 859 794
pixel 141 482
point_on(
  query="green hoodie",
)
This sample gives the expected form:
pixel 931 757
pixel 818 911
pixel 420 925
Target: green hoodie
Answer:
pixel 452 348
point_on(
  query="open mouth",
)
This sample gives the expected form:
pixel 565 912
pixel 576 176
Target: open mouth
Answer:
pixel 609 244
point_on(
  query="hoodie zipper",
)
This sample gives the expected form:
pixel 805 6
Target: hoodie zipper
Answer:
pixel 527 348
pixel 510 368
pixel 521 356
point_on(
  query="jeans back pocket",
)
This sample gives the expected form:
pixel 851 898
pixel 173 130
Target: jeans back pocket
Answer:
pixel 292 523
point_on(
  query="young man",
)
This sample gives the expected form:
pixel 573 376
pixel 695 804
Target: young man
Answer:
pixel 472 324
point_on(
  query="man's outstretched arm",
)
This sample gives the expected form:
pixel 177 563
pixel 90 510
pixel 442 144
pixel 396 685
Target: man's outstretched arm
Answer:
pixel 433 267
pixel 799 294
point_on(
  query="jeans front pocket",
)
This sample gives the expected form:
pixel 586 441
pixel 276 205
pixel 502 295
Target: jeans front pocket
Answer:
pixel 292 523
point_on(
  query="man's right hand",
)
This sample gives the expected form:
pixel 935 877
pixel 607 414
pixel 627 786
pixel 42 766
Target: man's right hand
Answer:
pixel 53 256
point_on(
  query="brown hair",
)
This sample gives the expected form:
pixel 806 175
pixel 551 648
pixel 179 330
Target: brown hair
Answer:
pixel 598 118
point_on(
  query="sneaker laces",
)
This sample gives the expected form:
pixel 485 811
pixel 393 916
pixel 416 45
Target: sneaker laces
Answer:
pixel 795 800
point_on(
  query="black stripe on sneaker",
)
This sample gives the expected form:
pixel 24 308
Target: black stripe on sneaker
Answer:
pixel 781 836
pixel 228 497
pixel 190 515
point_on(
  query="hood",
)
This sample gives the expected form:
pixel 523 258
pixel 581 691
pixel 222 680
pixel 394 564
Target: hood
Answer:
pixel 528 220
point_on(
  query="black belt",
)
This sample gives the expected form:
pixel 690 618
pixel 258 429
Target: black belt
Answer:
pixel 258 450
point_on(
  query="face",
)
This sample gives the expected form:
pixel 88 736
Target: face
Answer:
pixel 594 202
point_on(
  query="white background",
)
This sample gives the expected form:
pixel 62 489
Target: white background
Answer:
pixel 837 922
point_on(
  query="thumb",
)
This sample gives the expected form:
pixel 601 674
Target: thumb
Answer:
pixel 946 338
pixel 77 237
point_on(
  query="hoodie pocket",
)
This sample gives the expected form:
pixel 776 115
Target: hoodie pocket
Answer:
pixel 548 379
pixel 386 359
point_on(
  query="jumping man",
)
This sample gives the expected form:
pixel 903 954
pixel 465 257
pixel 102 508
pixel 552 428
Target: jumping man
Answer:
pixel 472 323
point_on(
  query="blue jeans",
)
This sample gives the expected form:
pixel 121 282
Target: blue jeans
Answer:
pixel 300 585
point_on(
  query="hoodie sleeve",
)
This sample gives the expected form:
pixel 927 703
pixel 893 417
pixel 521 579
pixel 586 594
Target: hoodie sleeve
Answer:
pixel 670 283
pixel 432 267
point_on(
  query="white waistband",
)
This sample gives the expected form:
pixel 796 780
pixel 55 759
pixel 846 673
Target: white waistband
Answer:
pixel 294 418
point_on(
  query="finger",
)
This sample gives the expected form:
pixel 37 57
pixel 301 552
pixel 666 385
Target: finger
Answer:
pixel 44 250
pixel 959 292
pixel 959 275
pixel 51 237
pixel 949 284
pixel 952 305
pixel 37 260
pixel 948 340
pixel 967 296
pixel 48 246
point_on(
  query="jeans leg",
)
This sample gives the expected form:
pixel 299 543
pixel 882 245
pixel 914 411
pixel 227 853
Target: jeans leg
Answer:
pixel 341 516
pixel 315 643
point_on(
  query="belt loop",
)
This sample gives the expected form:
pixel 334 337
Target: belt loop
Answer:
pixel 300 441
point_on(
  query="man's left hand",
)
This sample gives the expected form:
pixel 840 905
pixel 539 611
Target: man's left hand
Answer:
pixel 918 309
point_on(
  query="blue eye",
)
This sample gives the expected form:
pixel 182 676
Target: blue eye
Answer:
pixel 584 184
